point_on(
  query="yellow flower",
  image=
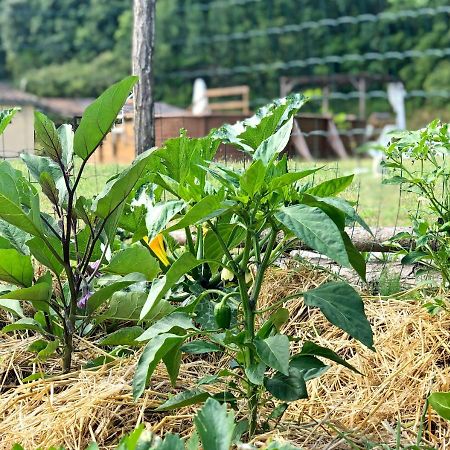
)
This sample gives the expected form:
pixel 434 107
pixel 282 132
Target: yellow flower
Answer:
pixel 156 245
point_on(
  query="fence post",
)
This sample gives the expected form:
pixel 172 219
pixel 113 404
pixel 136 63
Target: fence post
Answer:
pixel 143 47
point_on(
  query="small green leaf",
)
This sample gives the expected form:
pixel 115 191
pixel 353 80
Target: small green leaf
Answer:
pixel 255 373
pixel 47 139
pixel 103 294
pixel 117 190
pixel 253 178
pixel 215 426
pixel 152 355
pixel 38 294
pixel 200 346
pixel 289 387
pixel 24 324
pixel 42 253
pixel 316 229
pixel 49 350
pixel 134 259
pixel 310 348
pixel 174 323
pixel 309 365
pixel 185 398
pixel 171 442
pixel 99 117
pixel 275 143
pixel 207 208
pixel 332 187
pixel 288 179
pixel 6 116
pixel 274 351
pixel 343 307
pixel 15 268
pixel 159 215
pixel 123 336
pixel 184 264
pixel 440 402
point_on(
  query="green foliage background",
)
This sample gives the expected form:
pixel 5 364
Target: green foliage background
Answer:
pixel 79 47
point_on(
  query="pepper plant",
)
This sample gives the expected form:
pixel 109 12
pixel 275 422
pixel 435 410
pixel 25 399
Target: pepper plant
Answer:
pixel 238 222
pixel 75 240
pixel 417 160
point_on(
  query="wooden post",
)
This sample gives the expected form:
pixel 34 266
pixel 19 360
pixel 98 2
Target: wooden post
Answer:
pixel 143 47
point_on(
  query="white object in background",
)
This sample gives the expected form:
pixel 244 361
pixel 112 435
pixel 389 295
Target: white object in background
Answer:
pixel 396 96
pixel 199 98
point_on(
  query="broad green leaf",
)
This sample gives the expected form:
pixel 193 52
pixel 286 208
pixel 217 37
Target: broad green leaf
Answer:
pixel 12 306
pixel 275 321
pixel 47 139
pixel 309 365
pixel 159 215
pixel 185 398
pixel 171 442
pixel 332 187
pixel 38 295
pixel 103 294
pixel 255 373
pixel 345 206
pixel 119 188
pixel 200 346
pixel 250 133
pixel 15 237
pixel 289 387
pixel 128 305
pixel 312 349
pixel 357 260
pixel 42 253
pixel 253 178
pixel 24 324
pixel 11 199
pixel 49 350
pixel 184 264
pixel 15 268
pixel 174 323
pixel 343 307
pixel 152 354
pixel 282 446
pixel 290 178
pixel 274 351
pixel 440 402
pixel 207 208
pixel 122 336
pixel 275 144
pixel 314 227
pixel 49 175
pixel 172 361
pixel 6 116
pixel 134 259
pixel 99 117
pixel 215 426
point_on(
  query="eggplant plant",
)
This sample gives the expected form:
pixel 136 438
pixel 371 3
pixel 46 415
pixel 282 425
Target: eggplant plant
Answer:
pixel 75 241
pixel 238 223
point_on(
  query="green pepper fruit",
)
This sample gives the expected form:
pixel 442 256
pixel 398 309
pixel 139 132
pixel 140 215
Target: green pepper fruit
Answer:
pixel 222 314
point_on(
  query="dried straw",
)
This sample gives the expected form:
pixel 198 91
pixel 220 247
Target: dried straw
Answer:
pixel 345 410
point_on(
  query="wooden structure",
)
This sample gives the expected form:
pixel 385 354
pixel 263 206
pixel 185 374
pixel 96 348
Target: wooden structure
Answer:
pixel 240 105
pixel 118 147
pixel 358 81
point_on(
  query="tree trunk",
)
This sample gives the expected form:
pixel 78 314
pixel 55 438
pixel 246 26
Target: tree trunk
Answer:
pixel 143 46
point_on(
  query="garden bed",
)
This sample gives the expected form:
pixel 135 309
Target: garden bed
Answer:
pixel 411 360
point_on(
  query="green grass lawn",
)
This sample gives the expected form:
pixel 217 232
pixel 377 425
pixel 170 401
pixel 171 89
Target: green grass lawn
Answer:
pixel 378 204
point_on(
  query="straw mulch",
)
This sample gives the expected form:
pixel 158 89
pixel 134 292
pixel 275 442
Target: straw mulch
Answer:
pixel 345 410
